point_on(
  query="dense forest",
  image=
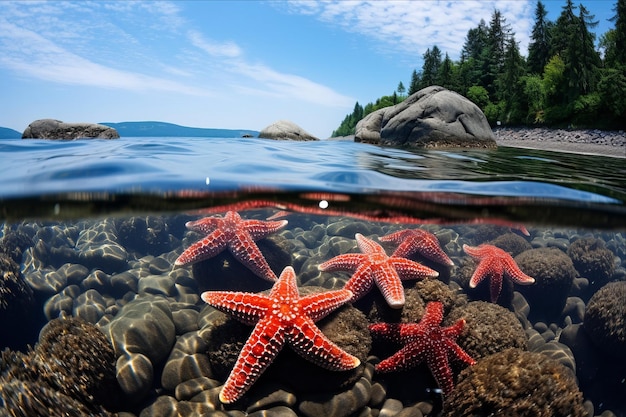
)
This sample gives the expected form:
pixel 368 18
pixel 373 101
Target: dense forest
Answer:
pixel 563 81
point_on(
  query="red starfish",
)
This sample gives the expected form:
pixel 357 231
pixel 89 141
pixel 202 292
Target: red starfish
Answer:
pixel 373 265
pixel 495 263
pixel 418 240
pixel 282 316
pixel 425 341
pixel 236 234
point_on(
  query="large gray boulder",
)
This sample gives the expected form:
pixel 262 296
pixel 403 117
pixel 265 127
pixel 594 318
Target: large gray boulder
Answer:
pixel 56 129
pixel 283 130
pixel 434 117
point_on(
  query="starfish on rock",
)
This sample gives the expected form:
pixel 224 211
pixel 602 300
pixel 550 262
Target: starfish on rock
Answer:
pixel 236 234
pixel 373 265
pixel 420 241
pixel 495 263
pixel 281 317
pixel 424 341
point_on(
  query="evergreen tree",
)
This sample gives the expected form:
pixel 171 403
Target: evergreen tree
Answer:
pixel 400 89
pixel 539 47
pixel 430 68
pixel 415 83
pixel 470 67
pixel 615 40
pixel 562 32
pixel 446 76
pixel 509 87
pixel 493 55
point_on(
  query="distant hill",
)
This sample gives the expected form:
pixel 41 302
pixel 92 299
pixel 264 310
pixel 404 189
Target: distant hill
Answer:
pixel 6 133
pixel 158 129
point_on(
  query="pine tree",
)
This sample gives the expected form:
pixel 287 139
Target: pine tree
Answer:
pixel 430 68
pixel 509 88
pixel 400 89
pixel 539 47
pixel 415 83
pixel 446 76
pixel 493 55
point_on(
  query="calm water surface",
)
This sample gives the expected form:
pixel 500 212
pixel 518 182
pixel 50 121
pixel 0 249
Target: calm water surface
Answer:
pixel 93 229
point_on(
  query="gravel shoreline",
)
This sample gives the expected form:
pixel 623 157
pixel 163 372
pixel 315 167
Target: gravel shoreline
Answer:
pixel 585 141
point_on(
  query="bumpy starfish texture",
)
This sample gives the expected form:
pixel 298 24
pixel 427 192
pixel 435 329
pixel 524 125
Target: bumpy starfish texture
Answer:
pixel 281 317
pixel 374 266
pixel 236 234
pixel 421 241
pixel 424 341
pixel 495 263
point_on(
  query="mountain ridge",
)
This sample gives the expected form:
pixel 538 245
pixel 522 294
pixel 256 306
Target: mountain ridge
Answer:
pixel 156 129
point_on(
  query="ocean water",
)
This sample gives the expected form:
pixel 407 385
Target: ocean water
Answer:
pixel 92 230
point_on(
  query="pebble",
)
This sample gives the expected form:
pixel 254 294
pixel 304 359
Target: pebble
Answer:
pixel 188 360
pixel 339 405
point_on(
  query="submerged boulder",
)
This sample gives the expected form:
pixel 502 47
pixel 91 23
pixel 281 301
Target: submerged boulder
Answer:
pixel 285 129
pixel 56 129
pixel 433 117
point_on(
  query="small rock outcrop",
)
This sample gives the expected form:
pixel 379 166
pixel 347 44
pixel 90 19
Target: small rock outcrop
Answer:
pixel 283 130
pixel 434 117
pixel 56 129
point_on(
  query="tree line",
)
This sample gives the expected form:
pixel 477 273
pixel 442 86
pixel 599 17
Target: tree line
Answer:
pixel 563 81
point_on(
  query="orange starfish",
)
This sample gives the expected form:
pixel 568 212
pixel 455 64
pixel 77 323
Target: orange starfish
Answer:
pixel 424 341
pixel 373 265
pixel 418 240
pixel 235 234
pixel 281 317
pixel 495 263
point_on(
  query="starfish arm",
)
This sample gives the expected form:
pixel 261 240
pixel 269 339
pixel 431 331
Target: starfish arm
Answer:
pixel 258 353
pixel 458 353
pixel 318 306
pixel 439 367
pixel 407 357
pixel 248 253
pixel 205 225
pixel 360 282
pixel 517 276
pixel 486 268
pixel 286 286
pixel 345 262
pixel 389 283
pixel 203 249
pixel 246 307
pixel 309 342
pixel 396 237
pixel 259 229
pixel 408 269
pixel 495 287
pixel 387 331
pixel 368 246
pixel 433 315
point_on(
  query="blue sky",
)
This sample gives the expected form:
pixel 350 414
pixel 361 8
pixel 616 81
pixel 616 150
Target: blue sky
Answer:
pixel 229 64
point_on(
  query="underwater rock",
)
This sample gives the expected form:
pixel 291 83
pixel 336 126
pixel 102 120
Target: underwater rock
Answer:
pixel 97 247
pixel 142 334
pixel 339 404
pixel 489 328
pixel 554 274
pixel 187 361
pixel 148 235
pixel 511 243
pixel 600 376
pixel 605 319
pixel 592 260
pixel 515 382
pixel 16 300
pixel 73 361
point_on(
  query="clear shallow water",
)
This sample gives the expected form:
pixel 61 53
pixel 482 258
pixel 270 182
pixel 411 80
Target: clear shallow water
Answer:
pixel 102 222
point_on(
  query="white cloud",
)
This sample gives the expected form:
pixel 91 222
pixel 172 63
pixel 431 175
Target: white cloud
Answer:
pixel 215 49
pixel 29 54
pixel 259 79
pixel 410 27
